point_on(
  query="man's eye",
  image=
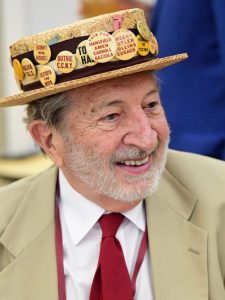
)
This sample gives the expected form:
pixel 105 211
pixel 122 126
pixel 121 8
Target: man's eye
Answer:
pixel 152 104
pixel 111 117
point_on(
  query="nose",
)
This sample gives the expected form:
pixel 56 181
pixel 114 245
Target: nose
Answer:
pixel 140 132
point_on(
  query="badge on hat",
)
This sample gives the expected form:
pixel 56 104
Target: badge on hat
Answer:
pixel 154 48
pixel 47 76
pixel 143 46
pixel 65 62
pixel 29 68
pixel 82 55
pixel 17 67
pixel 144 30
pixel 101 47
pixel 127 44
pixel 42 53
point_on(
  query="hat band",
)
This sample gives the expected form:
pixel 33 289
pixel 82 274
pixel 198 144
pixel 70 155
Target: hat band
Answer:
pixel 48 72
pixel 88 71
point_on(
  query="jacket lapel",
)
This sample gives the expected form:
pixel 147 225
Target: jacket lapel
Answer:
pixel 178 248
pixel 32 273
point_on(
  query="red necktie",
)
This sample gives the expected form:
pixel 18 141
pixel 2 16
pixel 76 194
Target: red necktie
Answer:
pixel 111 280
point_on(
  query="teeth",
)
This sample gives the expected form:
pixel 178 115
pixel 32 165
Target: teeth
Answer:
pixel 135 162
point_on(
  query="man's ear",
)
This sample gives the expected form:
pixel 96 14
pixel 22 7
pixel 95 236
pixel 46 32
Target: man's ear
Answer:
pixel 48 139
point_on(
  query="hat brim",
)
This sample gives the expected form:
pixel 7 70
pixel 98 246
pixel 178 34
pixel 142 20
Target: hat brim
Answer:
pixel 29 96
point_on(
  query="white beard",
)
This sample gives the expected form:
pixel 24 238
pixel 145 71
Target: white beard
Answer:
pixel 99 173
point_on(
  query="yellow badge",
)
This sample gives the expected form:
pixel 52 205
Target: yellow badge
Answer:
pixel 29 68
pixel 101 46
pixel 65 61
pixel 82 55
pixel 144 30
pixel 127 44
pixel 42 53
pixel 47 76
pixel 18 69
pixel 143 46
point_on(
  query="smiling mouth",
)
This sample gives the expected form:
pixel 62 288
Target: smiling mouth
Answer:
pixel 134 162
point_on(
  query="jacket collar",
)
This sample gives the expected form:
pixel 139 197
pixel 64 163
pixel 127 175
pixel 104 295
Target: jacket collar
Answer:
pixel 175 196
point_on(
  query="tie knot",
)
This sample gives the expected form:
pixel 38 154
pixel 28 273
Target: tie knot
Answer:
pixel 110 223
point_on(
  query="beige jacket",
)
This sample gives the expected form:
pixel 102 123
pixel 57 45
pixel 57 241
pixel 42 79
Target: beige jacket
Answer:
pixel 186 226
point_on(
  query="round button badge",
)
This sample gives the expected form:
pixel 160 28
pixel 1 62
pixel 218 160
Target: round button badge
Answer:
pixel 154 48
pixel 127 44
pixel 101 47
pixel 42 53
pixel 29 68
pixel 144 30
pixel 65 61
pixel 143 46
pixel 17 67
pixel 82 55
pixel 47 76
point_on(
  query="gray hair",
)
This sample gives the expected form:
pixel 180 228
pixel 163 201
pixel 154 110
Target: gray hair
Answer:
pixel 52 110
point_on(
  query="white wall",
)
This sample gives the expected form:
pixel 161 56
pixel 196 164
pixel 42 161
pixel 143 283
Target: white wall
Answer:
pixel 19 18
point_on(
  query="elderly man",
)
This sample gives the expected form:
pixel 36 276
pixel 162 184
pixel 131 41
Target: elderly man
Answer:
pixel 118 216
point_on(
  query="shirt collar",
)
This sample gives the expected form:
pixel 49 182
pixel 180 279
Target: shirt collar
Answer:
pixel 137 216
pixel 82 214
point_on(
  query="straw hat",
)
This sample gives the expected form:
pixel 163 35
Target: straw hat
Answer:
pixel 83 53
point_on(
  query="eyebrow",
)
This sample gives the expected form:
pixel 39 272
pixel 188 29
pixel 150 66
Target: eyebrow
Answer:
pixel 111 103
pixel 153 91
pixel 117 101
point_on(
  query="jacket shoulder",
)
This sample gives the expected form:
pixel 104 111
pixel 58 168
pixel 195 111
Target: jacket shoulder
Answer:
pixel 11 196
pixel 181 162
pixel 203 176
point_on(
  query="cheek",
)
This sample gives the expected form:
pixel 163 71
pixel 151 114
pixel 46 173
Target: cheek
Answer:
pixel 106 144
pixel 162 128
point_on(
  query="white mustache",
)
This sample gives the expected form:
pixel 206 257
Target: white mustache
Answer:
pixel 131 153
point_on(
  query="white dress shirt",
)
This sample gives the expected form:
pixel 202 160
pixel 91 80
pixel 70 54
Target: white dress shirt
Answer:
pixel 81 243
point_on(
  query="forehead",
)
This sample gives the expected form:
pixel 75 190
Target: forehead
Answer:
pixel 93 94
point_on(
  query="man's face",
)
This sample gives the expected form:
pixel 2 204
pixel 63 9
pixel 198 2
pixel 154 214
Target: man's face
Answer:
pixel 117 139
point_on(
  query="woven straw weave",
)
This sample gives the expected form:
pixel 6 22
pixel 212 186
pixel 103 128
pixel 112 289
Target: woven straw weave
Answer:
pixel 81 28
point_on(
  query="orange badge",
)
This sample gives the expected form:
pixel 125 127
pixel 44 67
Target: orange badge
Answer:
pixel 127 44
pixel 66 61
pixel 29 68
pixel 101 47
pixel 18 69
pixel 47 76
pixel 42 53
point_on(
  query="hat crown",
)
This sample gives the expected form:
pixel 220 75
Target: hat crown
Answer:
pixel 80 28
